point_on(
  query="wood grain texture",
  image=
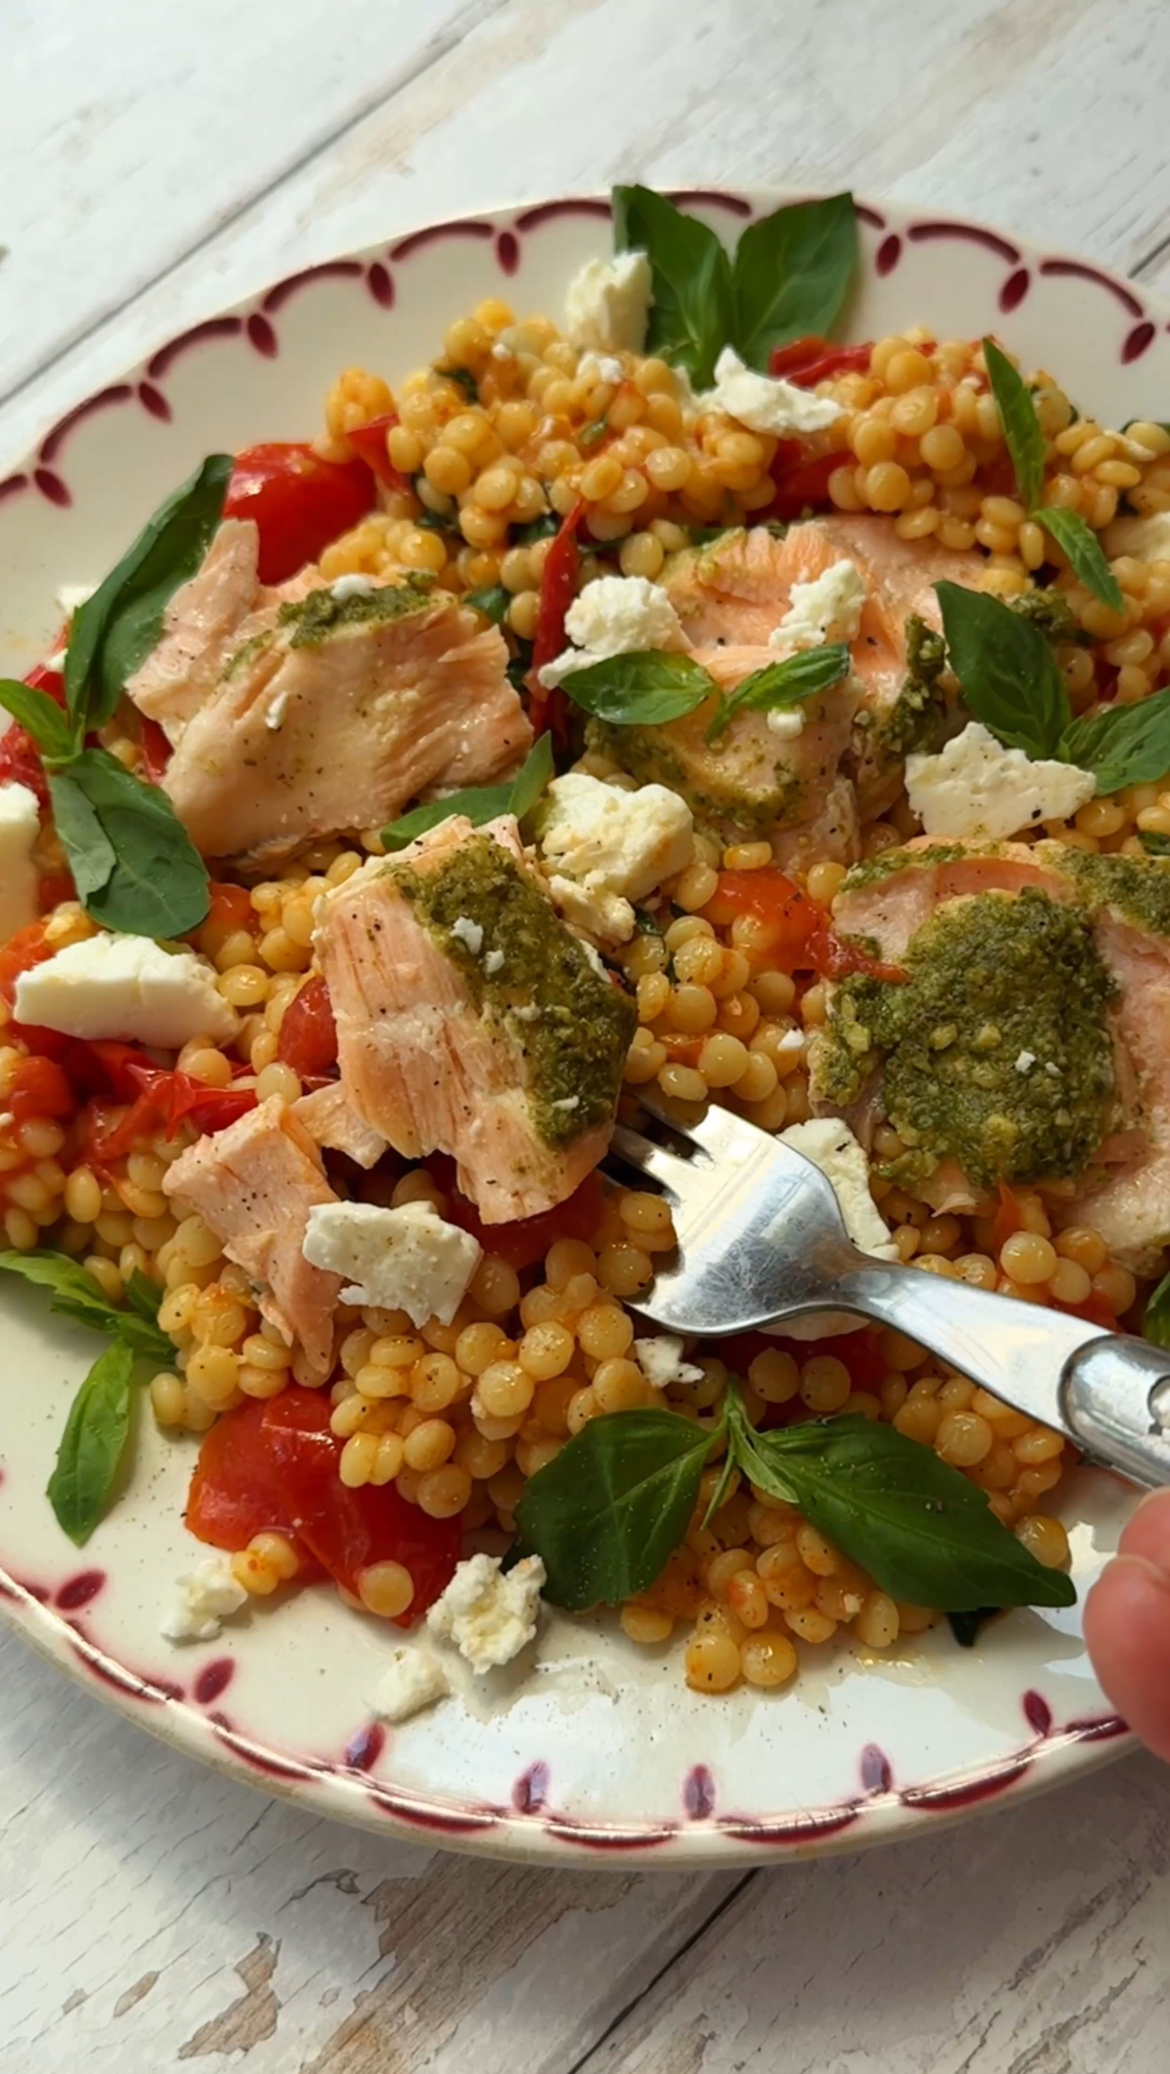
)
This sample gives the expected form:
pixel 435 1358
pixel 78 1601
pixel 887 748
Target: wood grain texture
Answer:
pixel 155 1917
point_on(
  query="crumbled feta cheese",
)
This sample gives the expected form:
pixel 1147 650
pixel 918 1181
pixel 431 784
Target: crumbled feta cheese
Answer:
pixel 1052 1069
pixel 1025 1060
pixel 764 403
pixel 1146 538
pixel 493 962
pixel 600 367
pixel 128 987
pixel 72 596
pixel 567 1102
pixel 20 824
pixel 613 847
pixel 502 352
pixel 831 1146
pixel 412 1680
pixel 470 933
pixel 529 1013
pixel 787 722
pixel 407 1259
pixel 976 787
pixel 827 609
pixel 608 302
pixel 661 1362
pixel 354 586
pixel 208 1595
pixel 791 1043
pixel 615 615
pixel 490 1615
pixel 274 718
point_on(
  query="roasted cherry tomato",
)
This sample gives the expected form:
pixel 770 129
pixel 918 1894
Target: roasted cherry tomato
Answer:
pixel 299 502
pixel 39 1087
pixel 156 750
pixel 230 907
pixel 369 443
pixel 799 929
pixel 525 1242
pixel 157 1095
pixel 308 1033
pixel 272 1465
pixel 801 482
pixel 558 587
pixel 807 361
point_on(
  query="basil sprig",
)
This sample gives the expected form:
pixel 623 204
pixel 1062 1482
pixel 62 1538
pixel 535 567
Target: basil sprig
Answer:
pixel 96 1431
pixel 493 602
pixel 781 685
pixel 133 864
pixel 790 276
pixel 116 629
pixel 1025 443
pixel 1011 682
pixel 619 1498
pixel 1153 844
pixel 1156 1319
pixel 480 803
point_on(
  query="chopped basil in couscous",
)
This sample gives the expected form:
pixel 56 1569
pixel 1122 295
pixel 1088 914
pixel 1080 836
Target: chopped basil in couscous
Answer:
pixel 544 731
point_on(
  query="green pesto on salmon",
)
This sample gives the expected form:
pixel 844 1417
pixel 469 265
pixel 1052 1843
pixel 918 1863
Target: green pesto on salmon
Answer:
pixel 315 618
pixel 996 1053
pixel 525 959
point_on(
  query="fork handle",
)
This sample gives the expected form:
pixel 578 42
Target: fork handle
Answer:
pixel 1110 1393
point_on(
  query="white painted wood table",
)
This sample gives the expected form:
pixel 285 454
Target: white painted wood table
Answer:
pixel 155 163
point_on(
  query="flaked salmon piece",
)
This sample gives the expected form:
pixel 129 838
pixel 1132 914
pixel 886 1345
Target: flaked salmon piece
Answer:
pixel 471 1021
pixel 1124 1184
pixel 834 833
pixel 334 1124
pixel 751 779
pixel 336 717
pixel 739 589
pixel 199 630
pixel 254 1185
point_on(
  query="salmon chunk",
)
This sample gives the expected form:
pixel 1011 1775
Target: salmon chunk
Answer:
pixel 738 590
pixel 470 1019
pixel 254 1185
pixel 1030 1042
pixel 337 715
pixel 200 628
pixel 334 1124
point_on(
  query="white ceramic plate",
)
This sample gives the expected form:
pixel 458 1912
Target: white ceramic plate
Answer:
pixel 597 1748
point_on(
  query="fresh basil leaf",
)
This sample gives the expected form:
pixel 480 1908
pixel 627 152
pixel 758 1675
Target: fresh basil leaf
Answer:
pixel 1008 673
pixel 463 379
pixel 1156 1319
pixel 88 848
pixel 782 684
pixel 527 535
pixel 1154 845
pixel 606 1514
pixel 480 803
pixel 68 1283
pixel 922 1531
pixel 116 629
pixel 1122 745
pixel 593 434
pixel 792 273
pixel 40 716
pixel 965 1627
pixel 157 883
pixel 1050 610
pixel 641 689
pixel 142 1296
pixel 1076 537
pixel 1021 427
pixel 691 315
pixel 93 1444
pixel 646 923
pixel 492 602
pixel 532 777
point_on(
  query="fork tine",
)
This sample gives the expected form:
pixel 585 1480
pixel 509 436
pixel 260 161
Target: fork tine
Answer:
pixel 664 1167
pixel 718 1132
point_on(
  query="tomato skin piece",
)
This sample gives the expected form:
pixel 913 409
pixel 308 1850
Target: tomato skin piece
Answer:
pixel 299 502
pixel 558 587
pixel 156 750
pixel 156 1094
pixel 800 481
pixel 369 444
pixel 524 1243
pixel 768 896
pixel 271 1465
pixel 21 952
pixel 807 361
pixel 308 1033
pixel 39 1087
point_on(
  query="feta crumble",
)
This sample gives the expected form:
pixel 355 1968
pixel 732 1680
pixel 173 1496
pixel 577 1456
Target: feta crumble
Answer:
pixel 765 403
pixel 827 609
pixel 1025 1060
pixel 607 848
pixel 786 722
pixel 832 1147
pixel 126 987
pixel 493 962
pixel 488 1614
pixel 208 1595
pixel 615 615
pixel 470 933
pixel 20 825
pixel 1146 537
pixel 413 1679
pixel 976 787
pixel 661 1362
pixel 274 718
pixel 406 1259
pixel 355 586
pixel 608 303
pixel 600 367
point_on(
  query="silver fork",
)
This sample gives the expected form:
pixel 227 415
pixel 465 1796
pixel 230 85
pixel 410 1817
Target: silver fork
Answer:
pixel 761 1239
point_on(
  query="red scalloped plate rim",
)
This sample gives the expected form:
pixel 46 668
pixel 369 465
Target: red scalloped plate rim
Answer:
pixel 544 1832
